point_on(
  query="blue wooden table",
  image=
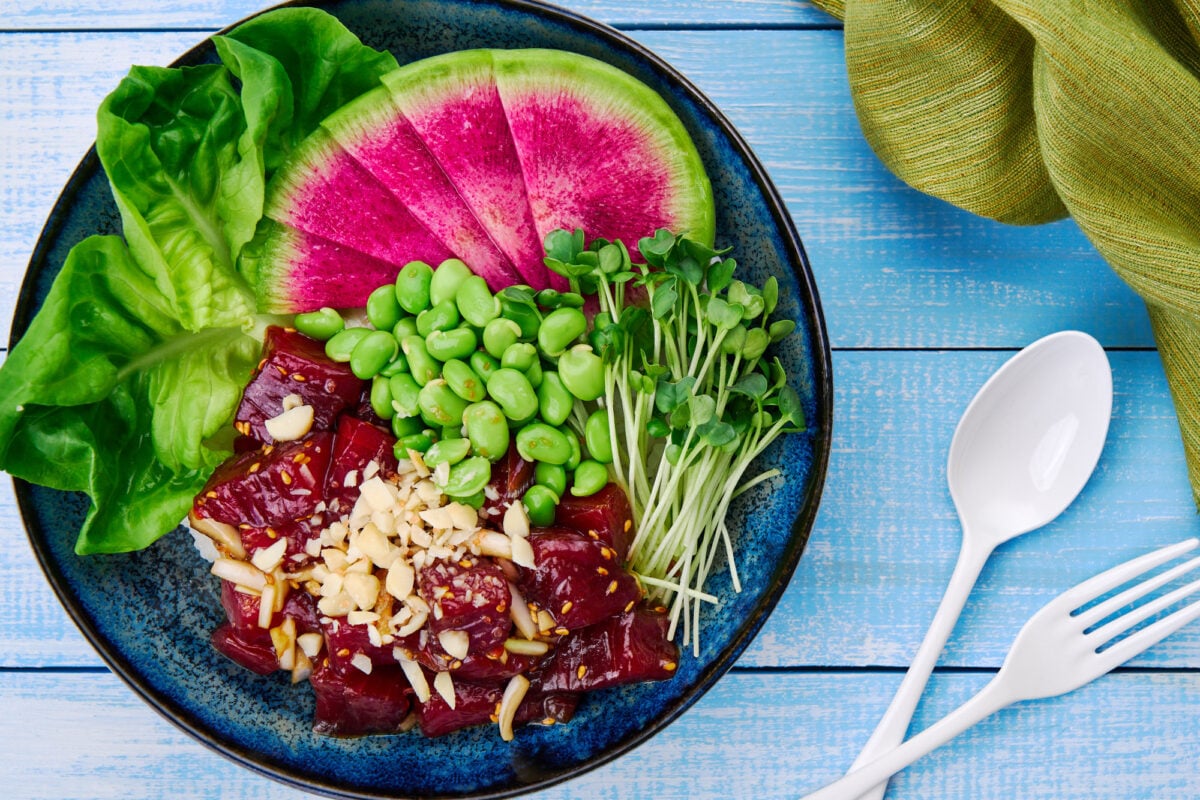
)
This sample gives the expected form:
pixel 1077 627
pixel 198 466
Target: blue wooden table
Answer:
pixel 922 302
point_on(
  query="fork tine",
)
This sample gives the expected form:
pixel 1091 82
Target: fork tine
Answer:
pixel 1098 612
pixel 1110 579
pixel 1142 613
pixel 1151 635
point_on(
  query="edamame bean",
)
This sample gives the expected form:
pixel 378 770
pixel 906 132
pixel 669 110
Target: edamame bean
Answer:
pixel 535 373
pixel 456 343
pixel 417 441
pixel 383 310
pixel 441 317
pixel 395 366
pixel 552 476
pixel 412 286
pixel 320 324
pixel 576 451
pixel 540 502
pixel 512 392
pixel 381 398
pixel 421 365
pixel 590 477
pixel 373 353
pixel 551 298
pixel 596 436
pixel 582 372
pixel 519 356
pixel 406 426
pixel 440 404
pixel 446 279
pixel 342 344
pixel 447 451
pixel 560 329
pixel 540 442
pixel 468 477
pixel 487 429
pixel 453 432
pixel 407 326
pixel 476 303
pixel 475 501
pixel 404 389
pixel 554 401
pixel 463 380
pixel 499 334
pixel 522 313
pixel 483 364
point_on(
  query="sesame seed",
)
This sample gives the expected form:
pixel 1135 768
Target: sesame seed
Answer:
pixel 581 671
pixel 286 478
pixel 612 587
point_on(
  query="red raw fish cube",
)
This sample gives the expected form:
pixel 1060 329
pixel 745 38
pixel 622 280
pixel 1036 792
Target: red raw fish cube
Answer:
pixel 256 656
pixel 295 364
pixel 605 513
pixel 499 664
pixel 628 648
pixel 270 487
pixel 470 596
pixel 344 641
pixel 577 579
pixel 355 445
pixel 353 703
pixel 511 476
pixel 478 703
pixel 297 535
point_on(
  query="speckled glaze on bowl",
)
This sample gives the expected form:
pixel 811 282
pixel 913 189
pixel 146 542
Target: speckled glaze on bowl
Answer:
pixel 149 614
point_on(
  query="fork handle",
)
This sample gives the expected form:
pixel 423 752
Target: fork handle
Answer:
pixel 890 730
pixel 990 699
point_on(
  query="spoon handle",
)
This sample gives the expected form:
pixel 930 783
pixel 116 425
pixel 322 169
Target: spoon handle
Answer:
pixel 890 731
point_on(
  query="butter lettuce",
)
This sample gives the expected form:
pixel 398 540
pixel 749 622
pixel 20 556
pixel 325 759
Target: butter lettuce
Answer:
pixel 126 381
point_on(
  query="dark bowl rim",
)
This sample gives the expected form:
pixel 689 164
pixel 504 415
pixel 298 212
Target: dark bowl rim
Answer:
pixel 821 428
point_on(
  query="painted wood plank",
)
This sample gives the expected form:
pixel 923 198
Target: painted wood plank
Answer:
pixel 886 535
pixel 1126 737
pixel 68 14
pixel 895 268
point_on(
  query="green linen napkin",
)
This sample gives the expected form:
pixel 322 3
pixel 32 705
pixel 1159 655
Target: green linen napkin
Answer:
pixel 1025 111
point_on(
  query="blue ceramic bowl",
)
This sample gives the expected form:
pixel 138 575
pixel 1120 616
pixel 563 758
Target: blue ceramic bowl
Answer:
pixel 149 614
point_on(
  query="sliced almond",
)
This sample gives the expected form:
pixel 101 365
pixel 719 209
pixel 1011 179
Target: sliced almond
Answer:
pixel 310 643
pixel 519 612
pixel 494 544
pixel 522 552
pixel 362 663
pixel 514 693
pixel 400 579
pixel 378 494
pixel 373 544
pixel 363 588
pixel 416 676
pixel 455 643
pixel 268 558
pixel 338 605
pixel 266 606
pixel 225 536
pixel 526 647
pixel 516 521
pixel 291 425
pixel 239 572
pixel 443 684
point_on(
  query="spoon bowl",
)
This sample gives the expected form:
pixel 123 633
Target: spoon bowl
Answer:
pixel 1022 452
pixel 1031 437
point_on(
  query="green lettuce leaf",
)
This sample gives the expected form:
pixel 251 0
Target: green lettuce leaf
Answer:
pixel 107 394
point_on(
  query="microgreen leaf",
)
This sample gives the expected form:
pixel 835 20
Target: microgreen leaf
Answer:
pixel 734 341
pixel 655 249
pixel 701 409
pixel 780 329
pixel 717 433
pixel 791 407
pixel 756 343
pixel 770 294
pixel 665 297
pixel 720 274
pixel 725 316
pixel 669 396
pixel 753 385
pixel 687 268
pixel 561 246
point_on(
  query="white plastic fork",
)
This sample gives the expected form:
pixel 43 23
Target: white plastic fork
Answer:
pixel 1058 651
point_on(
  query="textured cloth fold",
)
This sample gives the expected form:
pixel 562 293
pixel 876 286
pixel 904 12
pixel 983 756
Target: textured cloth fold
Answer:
pixel 1025 111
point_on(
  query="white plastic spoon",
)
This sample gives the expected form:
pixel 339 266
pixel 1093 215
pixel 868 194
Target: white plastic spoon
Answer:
pixel 1023 450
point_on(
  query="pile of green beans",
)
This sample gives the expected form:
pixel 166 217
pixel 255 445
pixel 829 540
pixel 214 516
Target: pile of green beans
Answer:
pixel 462 374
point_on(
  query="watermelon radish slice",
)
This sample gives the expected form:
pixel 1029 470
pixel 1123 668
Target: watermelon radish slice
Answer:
pixel 324 191
pixel 453 105
pixel 296 271
pixel 383 141
pixel 477 155
pixel 600 150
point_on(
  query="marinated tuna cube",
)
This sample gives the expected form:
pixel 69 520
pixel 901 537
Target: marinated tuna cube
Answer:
pixel 471 597
pixel 295 364
pixel 577 579
pixel 242 611
pixel 348 643
pixel 625 649
pixel 511 476
pixel 604 515
pixel 270 487
pixel 256 655
pixel 356 445
pixel 353 703
pixel 478 703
